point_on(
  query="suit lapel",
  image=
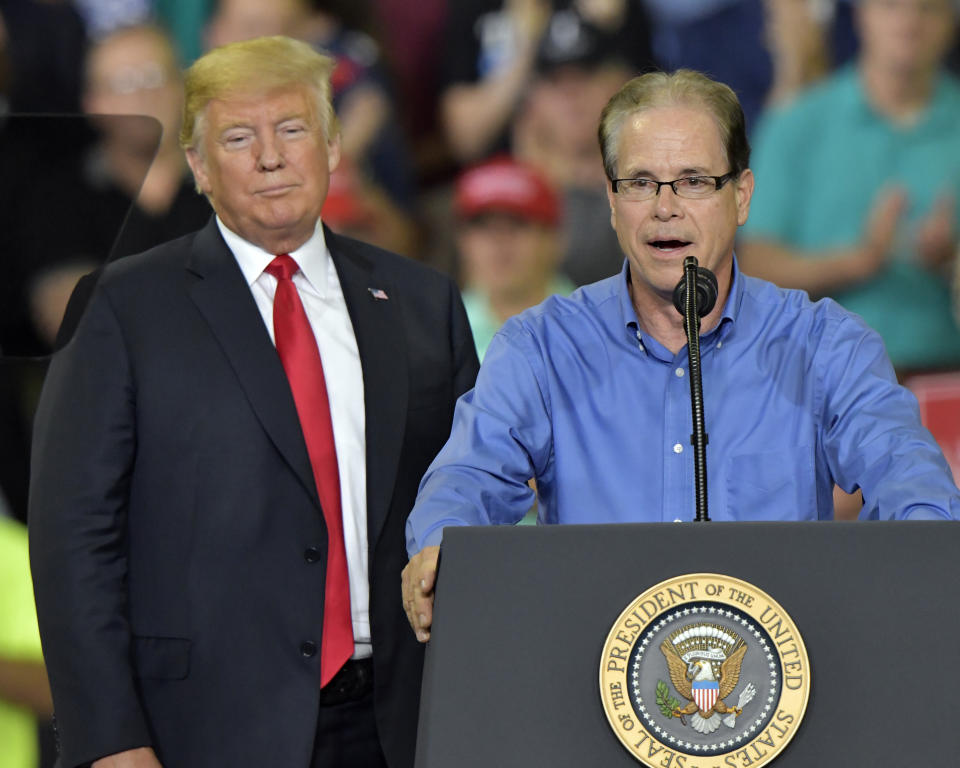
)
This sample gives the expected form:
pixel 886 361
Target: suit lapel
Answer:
pixel 377 325
pixel 223 297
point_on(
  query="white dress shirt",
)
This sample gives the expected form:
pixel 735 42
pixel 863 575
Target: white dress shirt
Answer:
pixel 322 298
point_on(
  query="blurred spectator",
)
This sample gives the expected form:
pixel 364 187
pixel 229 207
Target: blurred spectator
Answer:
pixel 134 71
pixel 40 158
pixel 41 54
pixel 491 54
pixel 796 39
pixel 185 20
pixel 555 130
pixel 858 184
pixel 4 66
pixel 105 18
pixel 509 242
pixel 357 208
pixel 234 20
pixel 766 50
pixel 412 36
pixel 24 690
pixel 370 131
pixel 131 71
pixel 14 442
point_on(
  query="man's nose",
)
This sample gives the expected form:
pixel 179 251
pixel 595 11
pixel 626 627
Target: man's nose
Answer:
pixel 666 204
pixel 269 154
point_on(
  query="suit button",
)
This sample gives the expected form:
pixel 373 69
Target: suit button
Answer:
pixel 311 554
pixel 308 649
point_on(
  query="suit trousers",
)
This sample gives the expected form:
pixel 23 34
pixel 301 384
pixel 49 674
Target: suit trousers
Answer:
pixel 346 727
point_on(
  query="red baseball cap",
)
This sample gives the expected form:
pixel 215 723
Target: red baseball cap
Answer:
pixel 505 185
pixel 345 205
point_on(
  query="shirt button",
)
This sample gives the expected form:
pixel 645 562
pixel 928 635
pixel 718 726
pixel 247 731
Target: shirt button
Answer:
pixel 308 649
pixel 679 372
pixel 311 554
pixel 719 344
pixel 678 448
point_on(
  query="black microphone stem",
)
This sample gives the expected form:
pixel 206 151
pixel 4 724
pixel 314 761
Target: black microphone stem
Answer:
pixel 699 437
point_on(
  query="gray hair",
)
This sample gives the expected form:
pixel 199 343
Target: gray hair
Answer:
pixel 684 87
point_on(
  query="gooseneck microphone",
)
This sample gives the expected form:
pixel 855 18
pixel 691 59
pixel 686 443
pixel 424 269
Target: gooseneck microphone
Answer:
pixel 694 297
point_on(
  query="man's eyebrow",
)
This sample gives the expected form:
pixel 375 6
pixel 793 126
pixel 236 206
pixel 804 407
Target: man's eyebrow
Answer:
pixel 645 174
pixel 306 117
pixel 639 173
pixel 246 124
pixel 295 116
pixel 235 125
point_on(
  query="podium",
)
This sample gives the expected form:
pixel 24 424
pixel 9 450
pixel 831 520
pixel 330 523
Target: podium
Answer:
pixel 522 616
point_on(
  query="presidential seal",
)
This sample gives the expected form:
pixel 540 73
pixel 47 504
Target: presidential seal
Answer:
pixel 704 671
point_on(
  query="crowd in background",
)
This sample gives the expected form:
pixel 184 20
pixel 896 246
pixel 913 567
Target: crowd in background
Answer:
pixel 469 142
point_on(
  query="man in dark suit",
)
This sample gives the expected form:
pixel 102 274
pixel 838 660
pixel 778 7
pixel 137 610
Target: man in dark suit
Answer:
pixel 182 539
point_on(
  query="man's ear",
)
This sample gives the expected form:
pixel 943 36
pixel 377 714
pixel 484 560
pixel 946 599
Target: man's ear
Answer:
pixel 333 153
pixel 199 168
pixel 611 199
pixel 744 190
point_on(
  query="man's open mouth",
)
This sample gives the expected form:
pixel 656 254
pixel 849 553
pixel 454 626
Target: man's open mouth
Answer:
pixel 669 245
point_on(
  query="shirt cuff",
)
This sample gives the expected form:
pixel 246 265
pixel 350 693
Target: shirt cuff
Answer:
pixel 415 543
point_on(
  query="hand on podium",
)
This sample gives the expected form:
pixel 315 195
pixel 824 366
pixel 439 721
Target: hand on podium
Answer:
pixel 417 582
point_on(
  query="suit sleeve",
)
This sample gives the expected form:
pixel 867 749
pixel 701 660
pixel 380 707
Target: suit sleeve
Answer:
pixel 79 299
pixel 465 359
pixel 83 456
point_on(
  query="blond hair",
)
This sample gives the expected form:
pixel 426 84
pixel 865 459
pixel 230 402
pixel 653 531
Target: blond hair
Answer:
pixel 685 87
pixel 261 64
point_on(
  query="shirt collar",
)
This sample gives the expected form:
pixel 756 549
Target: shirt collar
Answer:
pixel 731 309
pixel 312 257
pixel 627 313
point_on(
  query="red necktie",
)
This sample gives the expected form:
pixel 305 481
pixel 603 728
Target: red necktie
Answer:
pixel 297 347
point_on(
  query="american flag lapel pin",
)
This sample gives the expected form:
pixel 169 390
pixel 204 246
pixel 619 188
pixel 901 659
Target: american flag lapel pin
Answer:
pixel 378 293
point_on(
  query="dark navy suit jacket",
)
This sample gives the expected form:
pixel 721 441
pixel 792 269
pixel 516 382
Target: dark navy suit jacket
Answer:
pixel 172 506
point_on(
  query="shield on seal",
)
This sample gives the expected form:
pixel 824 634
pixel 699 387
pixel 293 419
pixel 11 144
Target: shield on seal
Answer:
pixel 705 694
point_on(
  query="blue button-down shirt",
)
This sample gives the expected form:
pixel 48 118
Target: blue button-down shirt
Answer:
pixel 798 396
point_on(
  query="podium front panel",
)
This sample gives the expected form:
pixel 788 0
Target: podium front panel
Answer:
pixel 522 615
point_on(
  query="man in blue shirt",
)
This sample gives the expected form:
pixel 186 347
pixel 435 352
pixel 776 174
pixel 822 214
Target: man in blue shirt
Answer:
pixel 589 394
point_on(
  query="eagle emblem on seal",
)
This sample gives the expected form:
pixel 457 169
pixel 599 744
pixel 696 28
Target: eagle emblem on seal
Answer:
pixel 704 662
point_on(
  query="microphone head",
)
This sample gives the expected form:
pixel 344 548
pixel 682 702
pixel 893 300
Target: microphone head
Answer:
pixel 706 290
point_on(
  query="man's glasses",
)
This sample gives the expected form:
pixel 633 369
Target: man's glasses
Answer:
pixel 692 187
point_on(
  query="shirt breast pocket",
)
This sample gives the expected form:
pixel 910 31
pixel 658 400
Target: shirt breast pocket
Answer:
pixel 772 485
